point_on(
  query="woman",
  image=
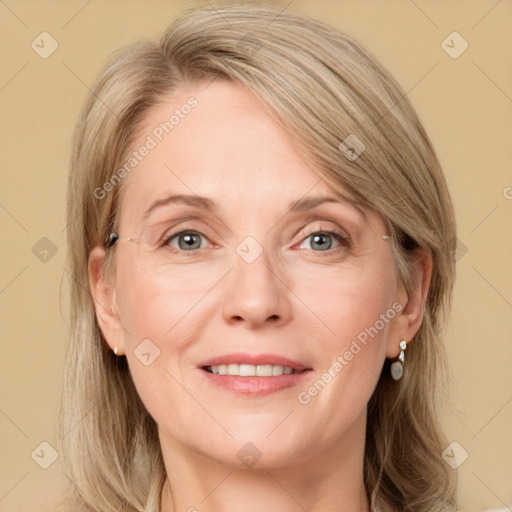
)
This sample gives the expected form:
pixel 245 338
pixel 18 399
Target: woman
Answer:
pixel 262 247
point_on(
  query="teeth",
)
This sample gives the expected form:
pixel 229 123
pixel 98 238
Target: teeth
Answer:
pixel 250 370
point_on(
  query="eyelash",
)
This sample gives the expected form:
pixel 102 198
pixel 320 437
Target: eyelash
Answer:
pixel 344 240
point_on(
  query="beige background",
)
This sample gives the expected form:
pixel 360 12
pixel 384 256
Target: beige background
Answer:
pixel 466 106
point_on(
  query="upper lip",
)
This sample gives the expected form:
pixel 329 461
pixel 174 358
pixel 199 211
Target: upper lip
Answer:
pixel 254 359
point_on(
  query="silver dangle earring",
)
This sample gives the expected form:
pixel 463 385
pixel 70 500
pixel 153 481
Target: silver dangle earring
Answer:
pixel 397 367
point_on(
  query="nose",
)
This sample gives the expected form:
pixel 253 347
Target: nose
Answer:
pixel 257 294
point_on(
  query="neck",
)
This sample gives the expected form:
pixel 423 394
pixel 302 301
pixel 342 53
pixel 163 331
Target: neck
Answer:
pixel 331 480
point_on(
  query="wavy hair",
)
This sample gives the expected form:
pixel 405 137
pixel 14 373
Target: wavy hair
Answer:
pixel 322 86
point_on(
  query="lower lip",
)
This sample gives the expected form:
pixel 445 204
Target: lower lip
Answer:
pixel 256 386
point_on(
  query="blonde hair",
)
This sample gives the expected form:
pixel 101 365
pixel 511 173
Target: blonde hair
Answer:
pixel 322 86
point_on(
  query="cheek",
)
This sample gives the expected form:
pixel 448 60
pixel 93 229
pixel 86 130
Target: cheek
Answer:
pixel 152 307
pixel 345 301
pixel 139 306
pixel 353 311
pixel 159 326
pixel 152 317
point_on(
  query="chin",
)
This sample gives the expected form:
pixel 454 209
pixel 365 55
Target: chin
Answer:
pixel 257 452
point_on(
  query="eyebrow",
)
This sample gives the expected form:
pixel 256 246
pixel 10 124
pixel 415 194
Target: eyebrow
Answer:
pixel 207 204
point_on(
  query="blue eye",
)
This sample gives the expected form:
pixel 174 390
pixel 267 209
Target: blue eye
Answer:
pixel 190 241
pixel 322 241
pixel 187 240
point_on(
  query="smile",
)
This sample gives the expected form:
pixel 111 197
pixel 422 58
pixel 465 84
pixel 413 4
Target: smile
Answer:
pixel 251 370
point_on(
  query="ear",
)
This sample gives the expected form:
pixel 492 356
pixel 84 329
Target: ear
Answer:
pixel 105 301
pixel 408 321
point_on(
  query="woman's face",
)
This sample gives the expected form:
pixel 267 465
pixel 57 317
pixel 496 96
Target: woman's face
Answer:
pixel 249 282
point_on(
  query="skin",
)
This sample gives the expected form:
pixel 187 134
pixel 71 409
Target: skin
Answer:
pixel 293 300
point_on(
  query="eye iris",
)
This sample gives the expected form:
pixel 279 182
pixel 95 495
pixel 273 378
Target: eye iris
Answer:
pixel 319 240
pixel 322 241
pixel 190 243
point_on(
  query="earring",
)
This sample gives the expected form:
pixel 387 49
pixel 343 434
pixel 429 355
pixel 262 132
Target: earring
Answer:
pixel 397 368
pixel 115 351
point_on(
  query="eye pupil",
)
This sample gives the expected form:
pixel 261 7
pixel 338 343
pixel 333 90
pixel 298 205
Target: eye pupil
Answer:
pixel 189 241
pixel 319 240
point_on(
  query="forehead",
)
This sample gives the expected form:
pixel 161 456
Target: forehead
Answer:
pixel 216 139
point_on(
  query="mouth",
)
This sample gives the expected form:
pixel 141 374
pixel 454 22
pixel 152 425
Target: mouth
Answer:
pixel 254 375
pixel 253 365
pixel 251 370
